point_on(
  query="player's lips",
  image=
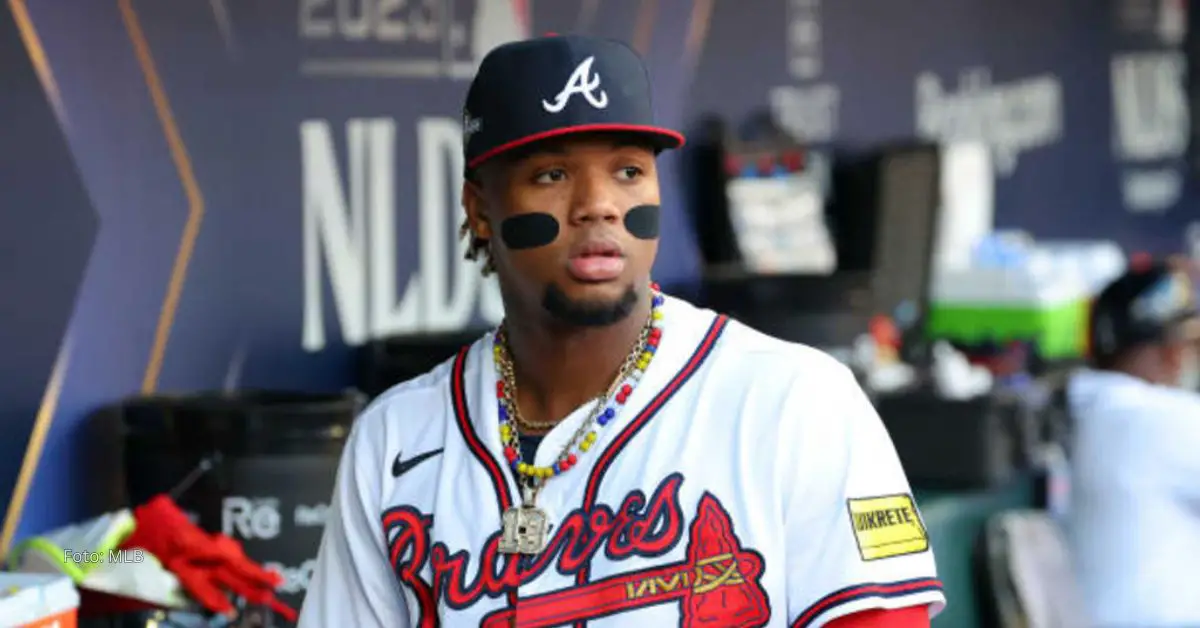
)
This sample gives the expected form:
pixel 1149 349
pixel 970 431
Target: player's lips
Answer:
pixel 596 260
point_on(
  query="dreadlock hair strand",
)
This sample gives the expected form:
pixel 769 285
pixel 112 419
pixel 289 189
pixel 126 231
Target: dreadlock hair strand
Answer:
pixel 477 247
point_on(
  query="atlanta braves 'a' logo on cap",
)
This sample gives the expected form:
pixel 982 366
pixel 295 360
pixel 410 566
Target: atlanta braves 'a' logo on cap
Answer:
pixel 551 86
pixel 583 82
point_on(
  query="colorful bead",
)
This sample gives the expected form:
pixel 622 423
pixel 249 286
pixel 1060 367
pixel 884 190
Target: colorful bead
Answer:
pixel 508 431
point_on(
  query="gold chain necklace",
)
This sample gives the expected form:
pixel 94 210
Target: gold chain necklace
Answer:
pixel 525 527
pixel 509 377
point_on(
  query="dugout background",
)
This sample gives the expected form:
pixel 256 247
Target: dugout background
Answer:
pixel 156 196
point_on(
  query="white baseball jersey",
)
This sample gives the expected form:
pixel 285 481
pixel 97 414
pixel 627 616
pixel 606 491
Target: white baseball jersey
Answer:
pixel 1134 521
pixel 747 482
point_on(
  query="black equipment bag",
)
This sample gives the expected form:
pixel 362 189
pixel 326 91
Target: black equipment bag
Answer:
pixel 977 443
pixel 387 362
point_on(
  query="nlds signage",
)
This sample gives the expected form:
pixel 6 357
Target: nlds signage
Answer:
pixel 350 235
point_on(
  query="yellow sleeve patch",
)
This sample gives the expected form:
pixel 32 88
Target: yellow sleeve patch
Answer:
pixel 887 526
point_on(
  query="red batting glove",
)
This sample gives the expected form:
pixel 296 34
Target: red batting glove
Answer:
pixel 207 565
pixel 248 579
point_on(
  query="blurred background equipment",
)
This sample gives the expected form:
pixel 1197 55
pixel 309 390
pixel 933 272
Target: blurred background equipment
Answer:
pixel 89 553
pixel 1026 568
pixel 763 227
pixel 991 435
pixel 936 211
pixel 1016 290
pixel 386 362
pixel 38 600
pixel 760 207
pixel 825 312
pixel 278 455
pixel 885 206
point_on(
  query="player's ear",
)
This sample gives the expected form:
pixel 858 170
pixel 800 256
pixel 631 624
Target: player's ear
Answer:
pixel 474 205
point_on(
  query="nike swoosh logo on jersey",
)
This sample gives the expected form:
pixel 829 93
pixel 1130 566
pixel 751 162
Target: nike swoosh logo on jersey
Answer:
pixel 400 467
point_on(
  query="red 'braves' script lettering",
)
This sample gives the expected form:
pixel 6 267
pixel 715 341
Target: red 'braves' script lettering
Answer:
pixel 640 527
pixel 716 585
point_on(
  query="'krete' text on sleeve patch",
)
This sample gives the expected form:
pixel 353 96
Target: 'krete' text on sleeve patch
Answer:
pixel 887 526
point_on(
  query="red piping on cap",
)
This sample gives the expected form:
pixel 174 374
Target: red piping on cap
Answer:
pixel 675 136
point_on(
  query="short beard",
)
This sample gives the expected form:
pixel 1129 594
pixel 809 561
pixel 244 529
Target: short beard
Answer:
pixel 579 313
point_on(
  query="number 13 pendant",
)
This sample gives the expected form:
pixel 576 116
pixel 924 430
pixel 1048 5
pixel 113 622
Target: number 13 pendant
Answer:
pixel 524 527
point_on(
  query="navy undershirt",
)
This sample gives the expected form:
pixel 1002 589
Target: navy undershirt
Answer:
pixel 529 446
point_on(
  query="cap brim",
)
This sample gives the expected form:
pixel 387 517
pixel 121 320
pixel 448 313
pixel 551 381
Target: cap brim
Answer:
pixel 665 139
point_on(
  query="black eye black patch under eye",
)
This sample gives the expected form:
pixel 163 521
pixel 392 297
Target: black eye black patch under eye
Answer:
pixel 643 221
pixel 533 230
pixel 528 231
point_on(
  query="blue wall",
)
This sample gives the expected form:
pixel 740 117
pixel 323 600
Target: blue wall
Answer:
pixel 212 203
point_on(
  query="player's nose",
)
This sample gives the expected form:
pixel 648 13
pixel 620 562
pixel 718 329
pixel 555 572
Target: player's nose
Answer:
pixel 594 200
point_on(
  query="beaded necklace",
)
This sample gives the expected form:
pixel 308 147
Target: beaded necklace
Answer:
pixel 525 527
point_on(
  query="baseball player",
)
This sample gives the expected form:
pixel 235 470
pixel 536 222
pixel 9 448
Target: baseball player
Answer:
pixel 1134 520
pixel 610 456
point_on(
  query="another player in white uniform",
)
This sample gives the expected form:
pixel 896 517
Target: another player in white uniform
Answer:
pixel 1135 456
pixel 610 456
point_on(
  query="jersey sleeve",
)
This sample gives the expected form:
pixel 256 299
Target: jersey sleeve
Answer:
pixel 352 583
pixel 855 540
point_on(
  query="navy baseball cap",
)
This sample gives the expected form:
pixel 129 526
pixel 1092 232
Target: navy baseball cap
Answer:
pixel 551 86
pixel 1144 306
